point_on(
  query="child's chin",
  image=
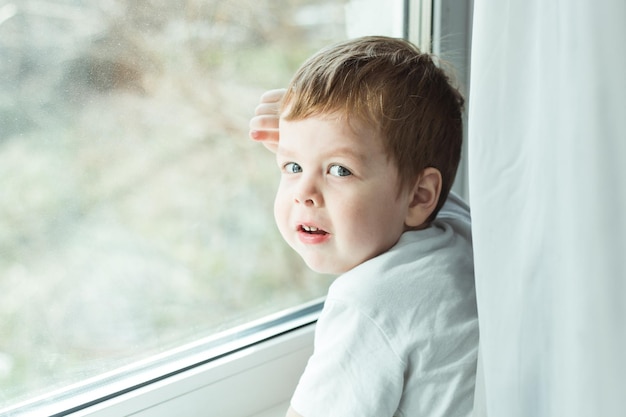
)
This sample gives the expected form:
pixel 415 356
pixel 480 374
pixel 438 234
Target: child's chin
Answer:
pixel 324 268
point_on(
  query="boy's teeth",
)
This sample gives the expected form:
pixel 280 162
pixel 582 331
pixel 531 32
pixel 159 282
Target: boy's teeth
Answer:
pixel 310 228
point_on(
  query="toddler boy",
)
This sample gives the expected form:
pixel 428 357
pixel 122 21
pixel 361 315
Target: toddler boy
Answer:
pixel 370 139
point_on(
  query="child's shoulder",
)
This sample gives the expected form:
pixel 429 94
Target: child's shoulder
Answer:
pixel 422 265
pixel 425 265
pixel 409 299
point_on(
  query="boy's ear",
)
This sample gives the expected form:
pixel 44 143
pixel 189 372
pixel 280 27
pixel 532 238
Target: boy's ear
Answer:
pixel 424 197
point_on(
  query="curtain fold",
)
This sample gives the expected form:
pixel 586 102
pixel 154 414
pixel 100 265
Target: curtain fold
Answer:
pixel 547 182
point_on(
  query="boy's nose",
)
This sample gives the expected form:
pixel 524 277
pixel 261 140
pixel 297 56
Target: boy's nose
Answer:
pixel 305 201
pixel 308 194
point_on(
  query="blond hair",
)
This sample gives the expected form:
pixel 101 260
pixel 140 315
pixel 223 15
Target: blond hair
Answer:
pixel 390 86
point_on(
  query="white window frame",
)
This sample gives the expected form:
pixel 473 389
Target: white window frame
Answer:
pixel 250 374
pixel 250 382
pixel 443 27
pixel 266 356
pixel 451 40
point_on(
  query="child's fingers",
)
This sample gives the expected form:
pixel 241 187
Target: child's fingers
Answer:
pixel 264 125
pixel 273 96
pixel 264 135
pixel 264 128
pixel 264 122
pixel 267 109
pixel 269 138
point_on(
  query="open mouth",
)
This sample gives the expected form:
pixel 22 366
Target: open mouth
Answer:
pixel 312 235
pixel 312 230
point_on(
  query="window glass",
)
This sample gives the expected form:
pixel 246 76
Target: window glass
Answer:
pixel 135 213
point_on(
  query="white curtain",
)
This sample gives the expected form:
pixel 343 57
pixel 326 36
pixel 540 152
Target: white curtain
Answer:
pixel 547 182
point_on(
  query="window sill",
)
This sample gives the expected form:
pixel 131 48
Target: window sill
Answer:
pixel 278 411
pixel 257 381
pixel 252 372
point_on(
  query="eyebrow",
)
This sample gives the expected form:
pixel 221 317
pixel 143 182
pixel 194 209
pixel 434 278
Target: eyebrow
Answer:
pixel 343 151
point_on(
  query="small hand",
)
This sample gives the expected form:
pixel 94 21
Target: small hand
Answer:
pixel 264 124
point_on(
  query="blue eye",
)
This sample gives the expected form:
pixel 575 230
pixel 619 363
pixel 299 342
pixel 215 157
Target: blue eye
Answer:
pixel 292 168
pixel 339 171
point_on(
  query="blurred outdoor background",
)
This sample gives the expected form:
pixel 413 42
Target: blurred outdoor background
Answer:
pixel 135 213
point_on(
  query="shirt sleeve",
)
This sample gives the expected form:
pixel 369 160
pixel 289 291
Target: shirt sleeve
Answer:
pixel 353 370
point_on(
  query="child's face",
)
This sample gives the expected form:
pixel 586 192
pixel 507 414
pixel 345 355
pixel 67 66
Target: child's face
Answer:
pixel 337 203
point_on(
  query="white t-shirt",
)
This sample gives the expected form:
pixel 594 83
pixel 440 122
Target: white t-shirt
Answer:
pixel 398 334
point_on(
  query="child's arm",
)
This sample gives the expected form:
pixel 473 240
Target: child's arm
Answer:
pixel 264 124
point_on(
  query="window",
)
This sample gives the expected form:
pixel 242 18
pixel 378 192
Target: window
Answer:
pixel 135 214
